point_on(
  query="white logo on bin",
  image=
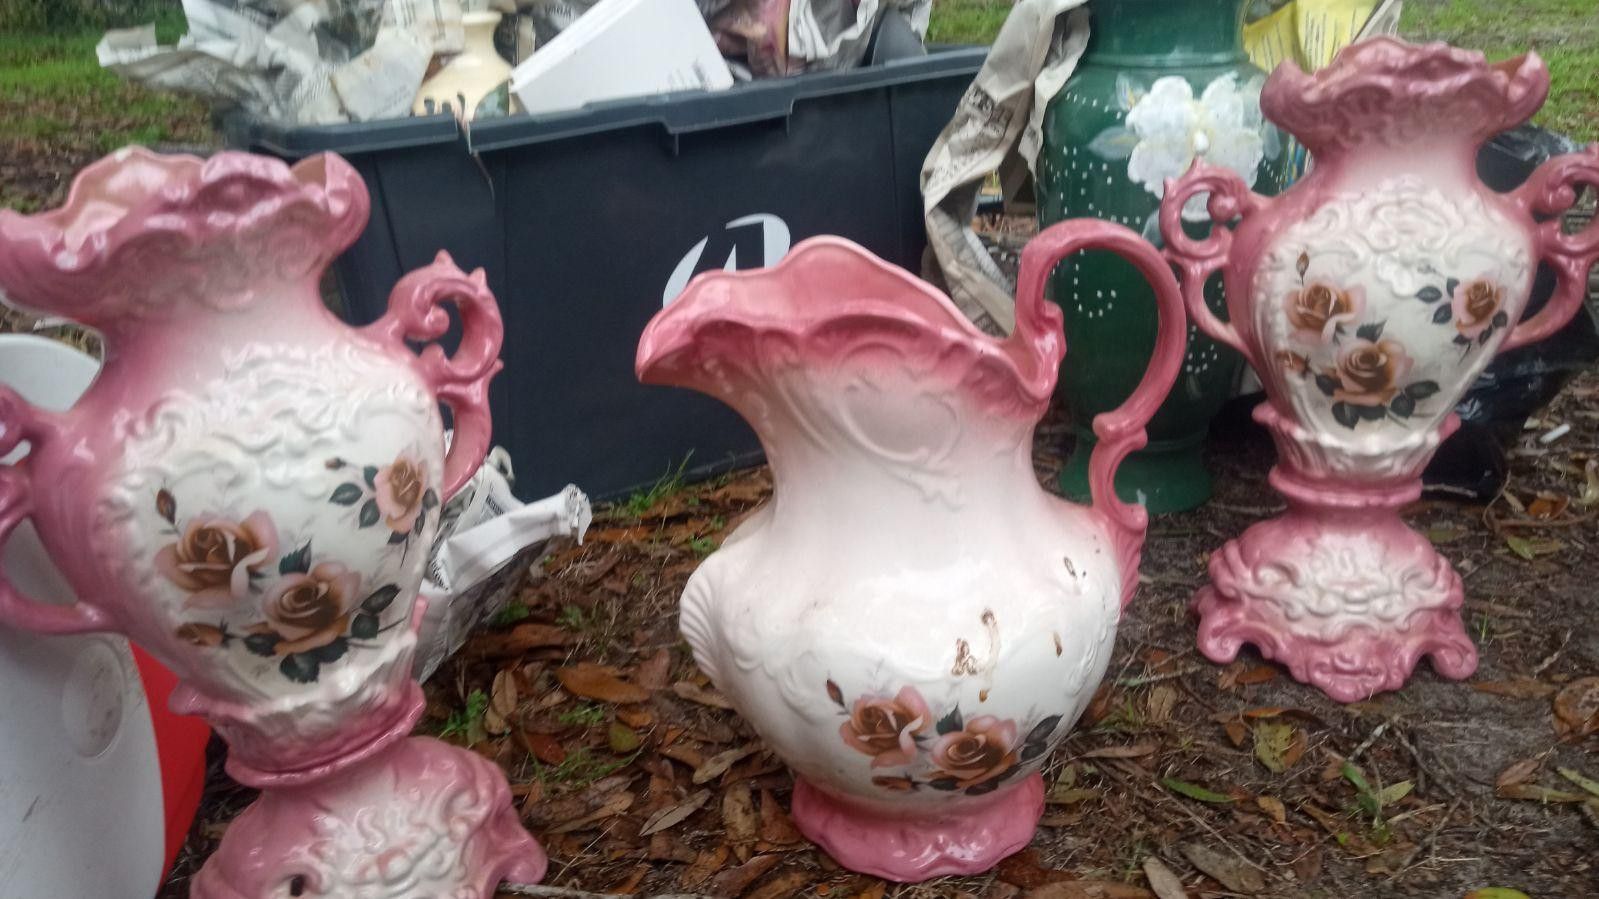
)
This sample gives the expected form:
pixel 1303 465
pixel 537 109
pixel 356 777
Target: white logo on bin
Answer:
pixel 774 246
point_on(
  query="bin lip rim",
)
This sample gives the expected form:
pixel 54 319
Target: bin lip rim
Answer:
pixel 778 94
pixel 347 138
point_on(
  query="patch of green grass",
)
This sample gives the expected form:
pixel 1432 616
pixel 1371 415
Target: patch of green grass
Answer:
pixel 580 768
pixel 573 618
pixel 514 611
pixel 584 714
pixel 641 502
pixel 463 721
pixel 966 21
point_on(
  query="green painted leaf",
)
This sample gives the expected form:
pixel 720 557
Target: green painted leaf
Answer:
pixel 332 652
pixel 365 626
pixel 1128 92
pixel 987 786
pixel 1371 331
pixel 421 522
pixel 1192 792
pixel 380 599
pixel 1402 406
pixel 369 513
pixel 950 723
pixel 262 644
pixel 1115 142
pixel 944 783
pixel 1462 340
pixel 397 538
pixel 1500 320
pixel 1421 390
pixel 1327 384
pixel 1443 315
pixel 1042 730
pixel 370 474
pixel 347 494
pixel 430 500
pixel 301 667
pixel 1429 295
pixel 1345 414
pixel 1370 413
pixel 297 562
pixel 1452 285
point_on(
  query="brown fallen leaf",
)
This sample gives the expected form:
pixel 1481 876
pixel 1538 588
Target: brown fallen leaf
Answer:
pixel 664 847
pixel 1520 688
pixel 673 815
pixel 708 862
pixel 1161 879
pixel 702 695
pixel 599 682
pixel 1088 889
pixel 739 821
pixel 1535 793
pixel 875 891
pixel 1272 741
pixel 635 717
pixel 717 765
pixel 514 642
pixel 1577 708
pixel 629 884
pixel 502 696
pixel 543 747
pixel 621 738
pixel 1236 732
pixel 686 753
pixel 734 881
pixel 1520 772
pixel 1226 869
pixel 615 804
pixel 1024 870
pixel 1162 699
pixel 1307 867
pixel 1134 751
pixel 1259 674
pixel 783 885
pixel 653 672
pixel 1273 807
pixel 777 828
pixel 1548 505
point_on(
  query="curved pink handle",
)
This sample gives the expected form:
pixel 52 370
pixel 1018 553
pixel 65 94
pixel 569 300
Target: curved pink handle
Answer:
pixel 1549 193
pixel 1197 260
pixel 20 422
pixel 1122 431
pixel 461 382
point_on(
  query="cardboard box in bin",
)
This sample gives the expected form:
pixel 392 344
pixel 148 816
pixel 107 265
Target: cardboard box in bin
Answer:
pixel 588 221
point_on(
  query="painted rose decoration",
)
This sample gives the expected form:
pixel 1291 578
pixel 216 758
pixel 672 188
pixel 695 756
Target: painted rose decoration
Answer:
pixel 214 558
pixel 1167 127
pixel 308 610
pixel 1319 311
pixel 950 753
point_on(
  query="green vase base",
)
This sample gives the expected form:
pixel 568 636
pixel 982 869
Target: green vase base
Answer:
pixel 1165 477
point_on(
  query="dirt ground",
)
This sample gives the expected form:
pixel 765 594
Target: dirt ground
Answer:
pixel 639 779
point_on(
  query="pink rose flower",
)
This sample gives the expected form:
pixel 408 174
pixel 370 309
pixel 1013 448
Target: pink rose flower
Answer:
pixel 1317 311
pixel 983 750
pixel 400 488
pixel 309 611
pixel 885 728
pixel 1368 373
pixel 1475 305
pixel 215 557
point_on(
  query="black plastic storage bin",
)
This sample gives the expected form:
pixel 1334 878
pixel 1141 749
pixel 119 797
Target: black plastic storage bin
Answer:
pixel 584 219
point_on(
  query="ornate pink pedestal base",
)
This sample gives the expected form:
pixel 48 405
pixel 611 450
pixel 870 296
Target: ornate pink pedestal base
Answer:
pixel 420 819
pixel 1339 590
pixel 898 847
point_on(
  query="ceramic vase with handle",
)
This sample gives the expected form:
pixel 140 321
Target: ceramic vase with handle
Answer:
pixel 249 490
pixel 1368 298
pixel 912 622
pixel 1161 83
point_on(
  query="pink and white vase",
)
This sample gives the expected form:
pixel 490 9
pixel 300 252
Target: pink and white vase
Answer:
pixel 912 623
pixel 248 490
pixel 1368 298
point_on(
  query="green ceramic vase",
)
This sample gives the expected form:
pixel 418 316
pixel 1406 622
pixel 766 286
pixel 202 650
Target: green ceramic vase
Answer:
pixel 1160 81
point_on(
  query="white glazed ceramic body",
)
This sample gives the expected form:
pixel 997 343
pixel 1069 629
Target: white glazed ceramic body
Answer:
pixel 911 622
pixel 469 76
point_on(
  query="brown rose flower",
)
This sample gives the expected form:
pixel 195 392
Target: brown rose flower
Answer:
pixel 1368 373
pixel 196 634
pixel 215 557
pixel 1475 306
pixel 400 488
pixel 983 750
pixel 1317 311
pixel 309 611
pixel 885 728
pixel 1293 363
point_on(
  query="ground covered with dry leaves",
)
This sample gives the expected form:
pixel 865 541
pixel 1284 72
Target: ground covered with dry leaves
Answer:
pixel 1185 778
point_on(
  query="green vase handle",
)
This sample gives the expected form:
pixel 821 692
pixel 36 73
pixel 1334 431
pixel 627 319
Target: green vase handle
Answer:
pixel 1121 431
pixel 1196 260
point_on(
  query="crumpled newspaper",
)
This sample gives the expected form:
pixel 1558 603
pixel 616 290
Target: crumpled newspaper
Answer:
pixel 998 125
pixel 295 62
pixel 774 37
pixel 482 529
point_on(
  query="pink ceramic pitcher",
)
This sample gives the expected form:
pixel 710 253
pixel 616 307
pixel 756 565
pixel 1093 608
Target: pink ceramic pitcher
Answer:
pixel 249 490
pixel 911 622
pixel 1368 298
